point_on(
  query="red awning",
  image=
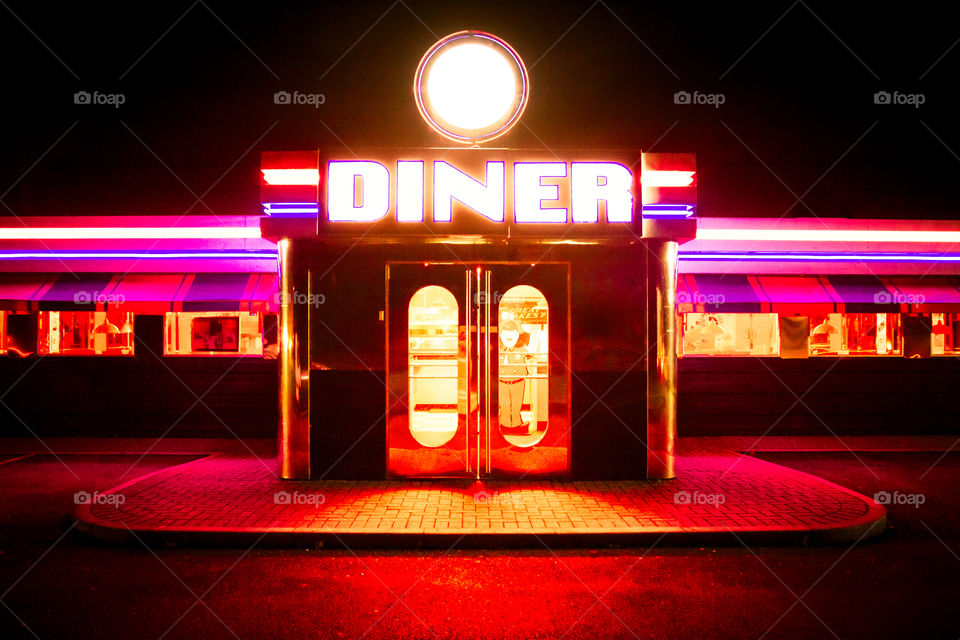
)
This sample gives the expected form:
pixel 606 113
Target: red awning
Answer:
pixel 17 290
pixel 796 295
pixel 926 294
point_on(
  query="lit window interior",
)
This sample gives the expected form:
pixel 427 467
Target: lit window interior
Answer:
pixel 855 334
pixel 213 333
pixel 739 334
pixel 434 383
pixel 85 333
pixel 945 334
pixel 523 352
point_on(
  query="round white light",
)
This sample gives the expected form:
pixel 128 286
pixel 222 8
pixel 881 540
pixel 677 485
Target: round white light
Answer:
pixel 471 87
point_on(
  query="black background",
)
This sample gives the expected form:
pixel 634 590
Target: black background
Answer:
pixel 799 118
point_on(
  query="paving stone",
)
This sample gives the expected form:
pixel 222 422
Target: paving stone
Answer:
pixel 715 488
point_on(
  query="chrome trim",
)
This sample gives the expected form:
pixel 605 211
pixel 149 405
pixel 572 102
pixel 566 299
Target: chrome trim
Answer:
pixel 293 446
pixel 468 313
pixel 488 301
pixel 662 361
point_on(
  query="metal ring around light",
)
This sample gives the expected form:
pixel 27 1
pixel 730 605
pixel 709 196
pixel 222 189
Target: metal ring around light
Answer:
pixel 489 131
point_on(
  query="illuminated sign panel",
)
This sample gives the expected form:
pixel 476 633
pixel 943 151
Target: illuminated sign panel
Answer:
pixel 669 185
pixel 360 191
pixel 491 192
pixel 495 191
pixel 289 183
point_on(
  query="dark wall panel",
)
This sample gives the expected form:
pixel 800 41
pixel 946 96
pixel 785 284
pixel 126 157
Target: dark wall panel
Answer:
pixel 609 425
pixel 348 427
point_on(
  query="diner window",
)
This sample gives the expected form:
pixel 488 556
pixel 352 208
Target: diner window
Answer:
pixel 19 333
pixel 729 334
pixel 945 334
pixel 844 334
pixel 85 333
pixel 213 333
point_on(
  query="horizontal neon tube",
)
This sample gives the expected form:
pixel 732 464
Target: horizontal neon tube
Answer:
pixel 279 209
pixel 667 211
pixel 823 257
pixel 127 233
pixel 828 235
pixel 304 177
pixel 666 178
pixel 139 255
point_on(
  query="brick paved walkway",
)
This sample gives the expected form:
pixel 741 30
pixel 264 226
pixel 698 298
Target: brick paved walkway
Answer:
pixel 236 496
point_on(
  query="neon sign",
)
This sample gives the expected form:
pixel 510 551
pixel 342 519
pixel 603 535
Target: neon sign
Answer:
pixel 450 192
pixel 534 192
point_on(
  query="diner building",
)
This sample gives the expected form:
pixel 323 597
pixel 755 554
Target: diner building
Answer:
pixel 477 311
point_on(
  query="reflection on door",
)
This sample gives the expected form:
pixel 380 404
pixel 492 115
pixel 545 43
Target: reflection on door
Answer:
pixel 433 380
pixel 524 367
pixel 477 370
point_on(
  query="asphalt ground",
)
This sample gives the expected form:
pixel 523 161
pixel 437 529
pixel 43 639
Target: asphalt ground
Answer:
pixel 55 583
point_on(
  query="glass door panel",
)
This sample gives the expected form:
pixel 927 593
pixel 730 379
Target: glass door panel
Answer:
pixel 478 370
pixel 428 402
pixel 528 382
pixel 433 377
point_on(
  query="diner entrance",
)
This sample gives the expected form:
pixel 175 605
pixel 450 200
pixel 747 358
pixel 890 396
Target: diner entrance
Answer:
pixel 478 373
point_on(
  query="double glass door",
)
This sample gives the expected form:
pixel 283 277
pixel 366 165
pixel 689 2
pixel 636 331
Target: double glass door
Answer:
pixel 478 370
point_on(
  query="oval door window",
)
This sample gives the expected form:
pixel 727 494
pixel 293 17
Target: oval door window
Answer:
pixel 523 366
pixel 433 317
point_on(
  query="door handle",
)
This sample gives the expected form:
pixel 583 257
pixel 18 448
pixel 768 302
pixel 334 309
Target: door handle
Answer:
pixel 486 358
pixel 468 373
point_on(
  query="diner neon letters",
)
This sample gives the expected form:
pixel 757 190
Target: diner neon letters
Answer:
pixel 543 192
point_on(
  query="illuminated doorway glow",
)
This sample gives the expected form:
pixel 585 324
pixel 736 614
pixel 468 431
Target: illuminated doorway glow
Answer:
pixel 476 369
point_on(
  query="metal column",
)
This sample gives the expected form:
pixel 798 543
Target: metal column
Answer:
pixel 293 442
pixel 662 358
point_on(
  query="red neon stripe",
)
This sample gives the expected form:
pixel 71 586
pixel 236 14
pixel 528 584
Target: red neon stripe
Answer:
pixel 653 178
pixel 305 177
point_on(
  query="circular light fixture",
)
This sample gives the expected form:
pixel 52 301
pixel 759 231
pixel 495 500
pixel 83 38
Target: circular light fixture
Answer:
pixel 471 87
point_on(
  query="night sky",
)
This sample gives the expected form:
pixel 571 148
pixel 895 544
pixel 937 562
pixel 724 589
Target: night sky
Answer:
pixel 798 80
